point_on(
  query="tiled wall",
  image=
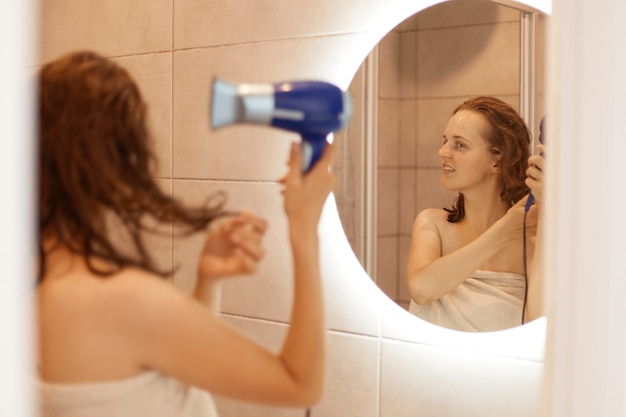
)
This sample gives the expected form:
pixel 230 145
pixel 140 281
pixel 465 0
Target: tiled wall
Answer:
pixel 381 363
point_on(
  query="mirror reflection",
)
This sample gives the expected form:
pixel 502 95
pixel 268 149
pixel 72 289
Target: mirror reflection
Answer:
pixel 404 95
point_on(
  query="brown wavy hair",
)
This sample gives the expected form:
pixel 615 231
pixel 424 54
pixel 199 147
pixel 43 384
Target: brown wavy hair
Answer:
pixel 96 163
pixel 508 136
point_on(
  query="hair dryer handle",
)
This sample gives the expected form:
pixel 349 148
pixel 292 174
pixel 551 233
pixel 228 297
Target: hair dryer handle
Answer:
pixel 531 197
pixel 312 148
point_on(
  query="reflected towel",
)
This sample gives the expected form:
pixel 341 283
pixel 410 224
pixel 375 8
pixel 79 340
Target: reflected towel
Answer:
pixel 149 394
pixel 486 301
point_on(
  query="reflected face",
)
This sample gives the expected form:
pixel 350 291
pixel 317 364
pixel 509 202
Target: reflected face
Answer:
pixel 466 158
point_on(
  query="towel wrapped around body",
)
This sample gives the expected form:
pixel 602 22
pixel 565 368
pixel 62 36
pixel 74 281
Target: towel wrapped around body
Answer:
pixel 149 394
pixel 486 301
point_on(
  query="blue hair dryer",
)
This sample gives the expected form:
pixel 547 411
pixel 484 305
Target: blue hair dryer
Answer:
pixel 314 109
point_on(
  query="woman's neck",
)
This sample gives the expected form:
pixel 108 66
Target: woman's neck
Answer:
pixel 481 212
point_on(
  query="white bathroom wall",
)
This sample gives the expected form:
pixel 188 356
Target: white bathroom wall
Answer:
pixel 16 220
pixel 586 347
pixel 381 362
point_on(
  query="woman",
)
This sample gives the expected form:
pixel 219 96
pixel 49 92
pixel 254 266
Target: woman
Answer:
pixel 466 266
pixel 115 337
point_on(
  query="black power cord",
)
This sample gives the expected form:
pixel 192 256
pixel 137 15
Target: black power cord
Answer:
pixel 525 271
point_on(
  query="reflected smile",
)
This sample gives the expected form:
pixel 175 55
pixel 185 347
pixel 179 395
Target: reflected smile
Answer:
pixel 447 168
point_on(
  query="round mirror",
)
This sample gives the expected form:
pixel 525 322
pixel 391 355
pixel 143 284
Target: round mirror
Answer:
pixel 403 95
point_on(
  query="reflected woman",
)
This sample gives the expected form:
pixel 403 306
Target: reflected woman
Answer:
pixel 466 268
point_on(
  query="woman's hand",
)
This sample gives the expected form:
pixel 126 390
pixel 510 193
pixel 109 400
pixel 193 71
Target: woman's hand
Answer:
pixel 305 194
pixel 534 174
pixel 233 247
pixel 512 223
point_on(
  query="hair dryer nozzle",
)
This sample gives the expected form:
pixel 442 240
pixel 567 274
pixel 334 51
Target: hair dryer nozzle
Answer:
pixel 241 103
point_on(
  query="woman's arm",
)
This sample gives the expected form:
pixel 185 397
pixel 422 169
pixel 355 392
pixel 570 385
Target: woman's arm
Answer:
pixel 232 248
pixel 430 275
pixel 183 339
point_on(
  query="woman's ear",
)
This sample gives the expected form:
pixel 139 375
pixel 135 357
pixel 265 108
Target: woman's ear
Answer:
pixel 497 164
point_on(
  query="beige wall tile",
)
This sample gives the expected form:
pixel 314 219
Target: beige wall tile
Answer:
pixel 408 133
pixel 198 23
pixel 408 65
pixel 406 207
pixel 404 244
pixel 388 133
pixel 388 201
pixel 247 152
pixel 477 60
pixel 389 66
pixel 113 28
pixel 387 266
pixel 153 74
pixel 268 292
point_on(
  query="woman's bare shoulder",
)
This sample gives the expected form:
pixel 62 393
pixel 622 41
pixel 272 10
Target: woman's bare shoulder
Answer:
pixel 433 216
pixel 94 327
pixel 127 299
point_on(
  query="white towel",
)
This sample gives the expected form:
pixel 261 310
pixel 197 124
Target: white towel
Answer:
pixel 149 394
pixel 486 301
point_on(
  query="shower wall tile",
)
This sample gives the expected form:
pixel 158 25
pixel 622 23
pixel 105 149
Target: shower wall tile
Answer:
pixel 404 244
pixel 408 133
pixel 387 271
pixel 112 28
pixel 388 201
pixel 269 290
pixel 388 133
pixel 199 23
pixel 153 73
pixel 408 65
pixel 389 66
pixel 246 152
pixel 477 60
pixel 406 197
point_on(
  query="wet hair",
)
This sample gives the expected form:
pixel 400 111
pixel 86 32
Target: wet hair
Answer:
pixel 509 137
pixel 96 164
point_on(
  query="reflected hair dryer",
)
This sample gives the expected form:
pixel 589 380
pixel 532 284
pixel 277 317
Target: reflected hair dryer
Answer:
pixel 531 198
pixel 313 109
